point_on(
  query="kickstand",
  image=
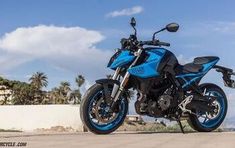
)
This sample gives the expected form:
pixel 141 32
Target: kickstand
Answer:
pixel 181 127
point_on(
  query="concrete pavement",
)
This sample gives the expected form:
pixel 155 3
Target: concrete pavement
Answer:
pixel 123 140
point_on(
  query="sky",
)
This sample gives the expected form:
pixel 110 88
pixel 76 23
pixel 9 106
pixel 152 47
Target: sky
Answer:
pixel 64 38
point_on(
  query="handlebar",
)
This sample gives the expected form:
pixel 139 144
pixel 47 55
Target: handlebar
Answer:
pixel 154 43
pixel 133 44
pixel 164 44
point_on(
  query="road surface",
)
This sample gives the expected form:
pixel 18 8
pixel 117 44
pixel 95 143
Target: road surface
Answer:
pixel 122 140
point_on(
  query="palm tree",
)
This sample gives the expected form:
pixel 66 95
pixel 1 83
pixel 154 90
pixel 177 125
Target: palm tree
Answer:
pixel 38 80
pixel 80 80
pixel 55 96
pixel 63 91
pixel 75 96
pixel 60 94
pixel 65 87
pixel 23 93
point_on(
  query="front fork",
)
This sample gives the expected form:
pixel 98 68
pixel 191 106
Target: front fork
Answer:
pixel 117 90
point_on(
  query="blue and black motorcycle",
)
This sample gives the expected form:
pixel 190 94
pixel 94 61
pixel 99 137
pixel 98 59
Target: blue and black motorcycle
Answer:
pixel 164 87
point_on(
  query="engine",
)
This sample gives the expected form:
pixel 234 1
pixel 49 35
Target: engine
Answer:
pixel 157 107
pixel 154 105
pixel 164 102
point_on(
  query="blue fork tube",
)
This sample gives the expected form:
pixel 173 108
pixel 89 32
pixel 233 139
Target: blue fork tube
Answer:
pixel 125 79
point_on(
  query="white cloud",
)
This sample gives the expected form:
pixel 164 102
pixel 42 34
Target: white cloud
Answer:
pixel 224 27
pixel 71 48
pixel 44 40
pixel 205 29
pixel 126 12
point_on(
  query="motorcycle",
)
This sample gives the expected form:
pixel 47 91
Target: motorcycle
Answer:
pixel 164 88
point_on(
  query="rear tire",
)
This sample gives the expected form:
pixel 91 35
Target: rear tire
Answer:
pixel 211 124
pixel 85 112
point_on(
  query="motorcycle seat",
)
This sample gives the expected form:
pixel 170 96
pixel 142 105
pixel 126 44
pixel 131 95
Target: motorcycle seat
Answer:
pixel 192 68
pixel 197 64
pixel 203 60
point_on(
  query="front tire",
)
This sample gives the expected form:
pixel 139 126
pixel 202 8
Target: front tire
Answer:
pixel 90 116
pixel 208 125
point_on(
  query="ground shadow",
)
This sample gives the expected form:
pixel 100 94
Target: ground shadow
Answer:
pixel 159 132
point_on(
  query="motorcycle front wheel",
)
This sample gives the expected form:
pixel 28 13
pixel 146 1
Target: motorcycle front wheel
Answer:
pixel 95 111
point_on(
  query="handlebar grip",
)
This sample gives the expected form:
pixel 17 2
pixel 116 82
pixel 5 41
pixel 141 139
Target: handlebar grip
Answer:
pixel 146 42
pixel 163 44
pixel 154 43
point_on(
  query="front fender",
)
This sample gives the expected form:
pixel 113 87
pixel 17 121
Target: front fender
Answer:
pixel 107 82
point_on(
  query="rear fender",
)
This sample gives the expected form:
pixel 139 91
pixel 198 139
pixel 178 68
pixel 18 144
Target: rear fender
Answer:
pixel 227 73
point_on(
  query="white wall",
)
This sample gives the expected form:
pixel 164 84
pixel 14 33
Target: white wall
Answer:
pixel 32 117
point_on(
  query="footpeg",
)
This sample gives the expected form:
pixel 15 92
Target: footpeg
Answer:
pixel 184 103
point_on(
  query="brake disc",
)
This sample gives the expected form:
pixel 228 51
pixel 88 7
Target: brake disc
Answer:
pixel 103 113
pixel 216 111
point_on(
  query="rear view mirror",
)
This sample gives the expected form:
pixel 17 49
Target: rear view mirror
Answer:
pixel 133 22
pixel 172 27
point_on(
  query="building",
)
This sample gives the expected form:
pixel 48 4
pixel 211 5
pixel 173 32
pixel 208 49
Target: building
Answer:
pixel 5 95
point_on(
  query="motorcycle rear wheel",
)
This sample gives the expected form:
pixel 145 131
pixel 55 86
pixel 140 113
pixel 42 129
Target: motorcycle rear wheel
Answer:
pixel 210 121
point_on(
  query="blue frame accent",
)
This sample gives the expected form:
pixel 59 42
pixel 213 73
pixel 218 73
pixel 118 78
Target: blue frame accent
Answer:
pixel 149 67
pixel 195 76
pixel 124 58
